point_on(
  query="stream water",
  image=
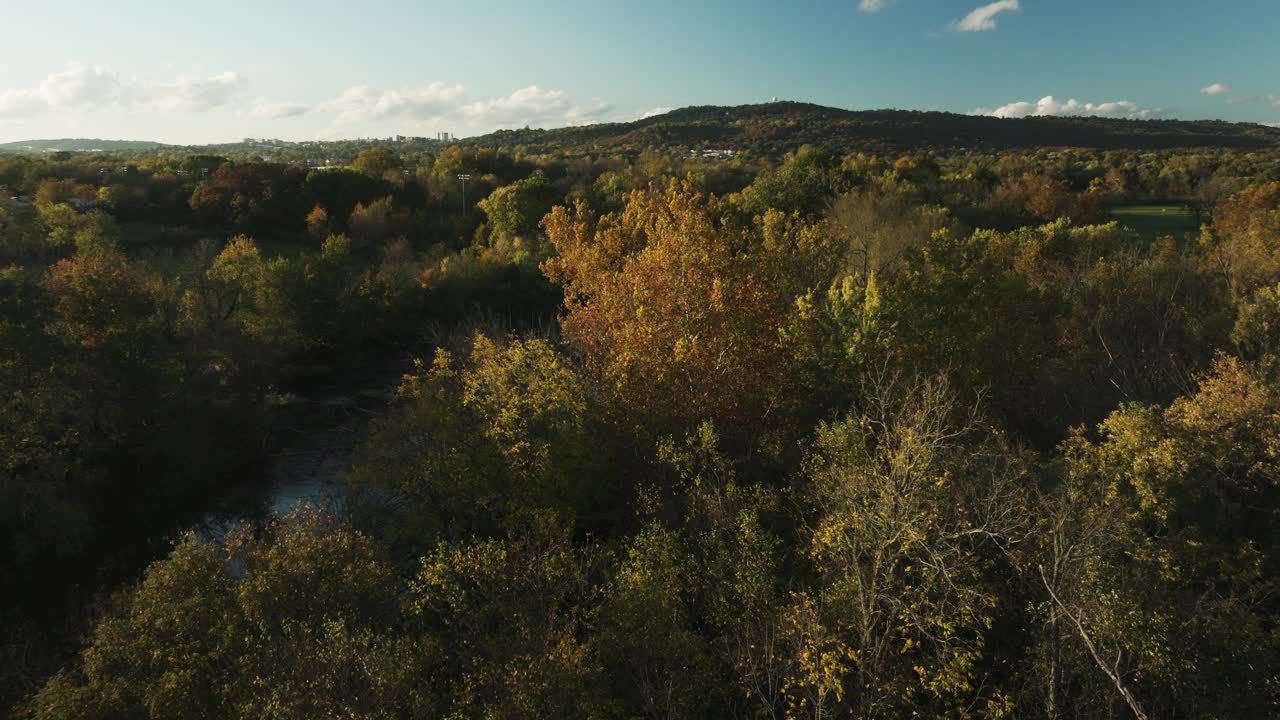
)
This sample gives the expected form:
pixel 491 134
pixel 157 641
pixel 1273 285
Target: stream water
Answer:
pixel 311 443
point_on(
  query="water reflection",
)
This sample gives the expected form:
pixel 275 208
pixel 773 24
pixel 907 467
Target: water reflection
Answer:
pixel 291 480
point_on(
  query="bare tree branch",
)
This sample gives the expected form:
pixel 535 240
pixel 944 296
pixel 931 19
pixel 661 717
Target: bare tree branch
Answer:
pixel 1112 671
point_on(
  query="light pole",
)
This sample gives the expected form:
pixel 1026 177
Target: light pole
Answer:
pixel 464 178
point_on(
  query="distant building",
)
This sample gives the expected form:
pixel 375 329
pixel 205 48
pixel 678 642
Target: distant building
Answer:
pixel 713 154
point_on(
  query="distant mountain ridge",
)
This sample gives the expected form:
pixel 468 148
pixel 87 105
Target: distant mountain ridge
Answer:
pixel 80 145
pixel 783 126
pixel 779 127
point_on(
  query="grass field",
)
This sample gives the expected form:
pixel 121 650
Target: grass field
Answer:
pixel 1153 221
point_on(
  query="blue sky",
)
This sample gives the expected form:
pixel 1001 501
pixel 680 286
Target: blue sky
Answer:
pixel 207 72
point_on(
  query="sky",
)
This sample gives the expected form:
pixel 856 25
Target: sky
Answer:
pixel 323 69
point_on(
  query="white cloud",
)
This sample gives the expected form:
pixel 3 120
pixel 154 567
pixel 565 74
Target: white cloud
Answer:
pixel 593 112
pixel 652 112
pixel 73 86
pixel 1271 100
pixel 361 104
pixel 1215 89
pixel 80 85
pixel 984 18
pixel 264 109
pixel 526 106
pixel 871 6
pixel 83 86
pixel 81 98
pixel 444 105
pixel 187 94
pixel 1048 105
pixel 21 102
pixel 533 107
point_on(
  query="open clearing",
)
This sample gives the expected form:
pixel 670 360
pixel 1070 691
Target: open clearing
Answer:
pixel 1153 221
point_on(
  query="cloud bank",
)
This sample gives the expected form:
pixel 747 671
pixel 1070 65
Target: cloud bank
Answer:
pixel 446 104
pixel 98 91
pixel 652 112
pixel 1215 89
pixel 362 104
pixel 79 86
pixel 1048 105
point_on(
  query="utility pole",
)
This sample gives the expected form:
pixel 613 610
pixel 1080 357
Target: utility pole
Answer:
pixel 464 177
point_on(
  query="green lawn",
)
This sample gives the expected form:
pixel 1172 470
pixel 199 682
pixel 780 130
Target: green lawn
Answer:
pixel 1153 221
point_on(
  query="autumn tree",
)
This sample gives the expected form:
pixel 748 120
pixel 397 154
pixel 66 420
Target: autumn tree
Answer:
pixel 376 162
pixel 300 627
pixel 662 665
pixel 1246 226
pixel 474 445
pixel 952 301
pixel 252 197
pixel 338 191
pixel 318 223
pixel 257 293
pixel 511 615
pixel 912 503
pixel 732 568
pixel 676 311
pixel 879 229
pixel 1036 196
pixel 1158 560
pixel 375 222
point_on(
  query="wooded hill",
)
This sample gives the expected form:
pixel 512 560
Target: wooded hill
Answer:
pixel 766 129
pixel 783 126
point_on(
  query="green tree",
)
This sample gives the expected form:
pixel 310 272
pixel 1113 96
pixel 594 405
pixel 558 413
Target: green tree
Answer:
pixel 1160 555
pixel 376 162
pixel 475 445
pixel 911 504
pixel 659 662
pixel 511 618
pixel 298 626
pixel 515 210
pixel 801 184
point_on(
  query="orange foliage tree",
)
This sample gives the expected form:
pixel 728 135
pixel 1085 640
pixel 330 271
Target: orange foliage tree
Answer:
pixel 681 313
pixel 1247 226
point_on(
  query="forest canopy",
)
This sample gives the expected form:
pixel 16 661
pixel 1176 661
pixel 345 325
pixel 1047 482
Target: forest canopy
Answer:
pixel 948 430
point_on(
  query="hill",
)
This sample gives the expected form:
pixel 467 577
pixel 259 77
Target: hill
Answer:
pixel 767 129
pixel 79 145
pixel 779 127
